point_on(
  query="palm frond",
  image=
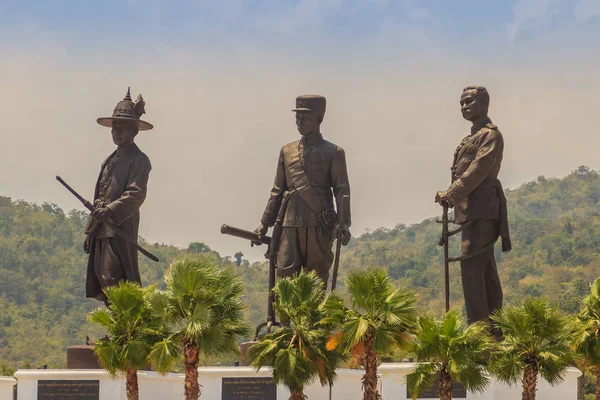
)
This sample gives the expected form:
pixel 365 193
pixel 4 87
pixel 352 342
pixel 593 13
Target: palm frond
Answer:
pixel 422 377
pixel 533 330
pixel 165 353
pixel 304 350
pixel 102 317
pixel 462 350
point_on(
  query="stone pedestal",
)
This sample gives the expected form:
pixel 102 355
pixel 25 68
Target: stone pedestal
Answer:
pixel 82 357
pixel 348 386
pixel 7 384
pixel 244 360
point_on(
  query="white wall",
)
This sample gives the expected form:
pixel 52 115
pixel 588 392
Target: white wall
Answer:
pixel 6 387
pixel 347 386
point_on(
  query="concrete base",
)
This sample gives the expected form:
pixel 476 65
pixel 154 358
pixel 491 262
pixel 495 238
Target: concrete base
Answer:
pixel 7 384
pixel 244 361
pixel 82 357
pixel 347 387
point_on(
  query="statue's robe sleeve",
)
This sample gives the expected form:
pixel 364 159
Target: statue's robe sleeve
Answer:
pixel 134 195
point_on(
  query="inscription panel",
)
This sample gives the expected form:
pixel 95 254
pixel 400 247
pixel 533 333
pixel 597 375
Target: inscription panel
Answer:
pixel 248 389
pixel 72 389
pixel 432 392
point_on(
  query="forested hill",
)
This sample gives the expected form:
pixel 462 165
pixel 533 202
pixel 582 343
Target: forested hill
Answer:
pixel 555 229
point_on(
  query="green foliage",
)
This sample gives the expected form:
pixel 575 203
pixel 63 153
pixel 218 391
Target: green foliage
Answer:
pixel 448 348
pixel 535 334
pixel 42 284
pixel 298 350
pixel 132 330
pixel 5 370
pixel 201 307
pixel 378 311
pixel 555 229
pixel 587 327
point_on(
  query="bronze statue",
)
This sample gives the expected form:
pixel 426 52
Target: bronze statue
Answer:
pixel 479 205
pixel 310 172
pixel 120 191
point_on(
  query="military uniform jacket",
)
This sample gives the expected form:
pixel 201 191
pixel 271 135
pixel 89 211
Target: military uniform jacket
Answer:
pixel 123 193
pixel 324 164
pixel 475 191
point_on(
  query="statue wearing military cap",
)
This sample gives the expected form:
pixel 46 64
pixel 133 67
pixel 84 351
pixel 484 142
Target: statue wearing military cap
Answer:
pixel 479 205
pixel 310 196
pixel 119 193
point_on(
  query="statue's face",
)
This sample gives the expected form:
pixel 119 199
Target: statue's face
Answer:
pixel 123 132
pixel 307 122
pixel 472 105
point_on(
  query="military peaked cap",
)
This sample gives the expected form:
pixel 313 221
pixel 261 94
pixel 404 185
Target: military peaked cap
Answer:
pixel 310 103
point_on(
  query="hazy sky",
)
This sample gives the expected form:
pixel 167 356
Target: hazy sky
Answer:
pixel 220 77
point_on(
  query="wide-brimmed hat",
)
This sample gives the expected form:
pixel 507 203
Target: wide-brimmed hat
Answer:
pixel 311 103
pixel 127 110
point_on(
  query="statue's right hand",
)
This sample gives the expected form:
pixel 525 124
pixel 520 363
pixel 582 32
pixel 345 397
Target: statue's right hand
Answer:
pixel 261 230
pixel 86 245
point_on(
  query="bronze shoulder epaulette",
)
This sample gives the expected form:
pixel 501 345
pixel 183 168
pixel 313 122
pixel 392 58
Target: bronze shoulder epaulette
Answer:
pixel 491 126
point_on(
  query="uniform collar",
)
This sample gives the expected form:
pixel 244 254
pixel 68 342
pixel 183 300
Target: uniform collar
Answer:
pixel 311 139
pixel 477 127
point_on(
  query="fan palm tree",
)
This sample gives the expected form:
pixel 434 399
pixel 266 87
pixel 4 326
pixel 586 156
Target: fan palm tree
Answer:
pixel 448 352
pixel 204 313
pixel 132 332
pixel 298 351
pixel 536 341
pixel 380 319
pixel 587 333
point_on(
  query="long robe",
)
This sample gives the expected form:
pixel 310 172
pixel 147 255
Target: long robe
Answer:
pixel 123 191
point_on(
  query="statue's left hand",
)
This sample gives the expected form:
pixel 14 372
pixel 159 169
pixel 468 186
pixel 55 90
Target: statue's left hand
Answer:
pixel 344 231
pixel 102 214
pixel 441 197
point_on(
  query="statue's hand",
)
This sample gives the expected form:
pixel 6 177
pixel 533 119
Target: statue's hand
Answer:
pixel 86 245
pixel 442 197
pixel 102 214
pixel 261 230
pixel 343 232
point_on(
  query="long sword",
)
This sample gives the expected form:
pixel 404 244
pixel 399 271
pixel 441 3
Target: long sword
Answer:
pixel 336 263
pixel 115 228
pixel 444 242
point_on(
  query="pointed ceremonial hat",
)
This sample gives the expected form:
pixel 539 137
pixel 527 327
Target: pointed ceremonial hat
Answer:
pixel 127 110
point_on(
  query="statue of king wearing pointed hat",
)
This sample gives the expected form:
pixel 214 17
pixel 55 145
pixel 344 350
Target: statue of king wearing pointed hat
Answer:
pixel 119 193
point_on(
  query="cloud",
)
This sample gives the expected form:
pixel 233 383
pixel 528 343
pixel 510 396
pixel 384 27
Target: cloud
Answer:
pixel 551 20
pixel 529 14
pixel 586 10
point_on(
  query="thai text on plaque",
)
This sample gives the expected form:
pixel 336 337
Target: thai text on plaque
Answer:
pixel 68 389
pixel 248 389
